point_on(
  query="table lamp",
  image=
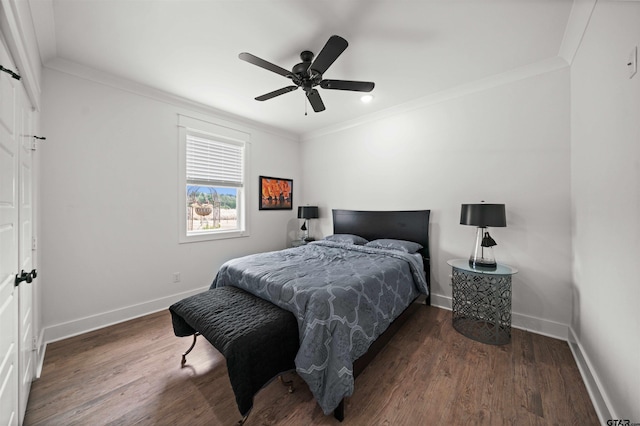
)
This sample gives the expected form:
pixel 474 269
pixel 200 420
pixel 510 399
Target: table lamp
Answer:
pixel 483 215
pixel 306 213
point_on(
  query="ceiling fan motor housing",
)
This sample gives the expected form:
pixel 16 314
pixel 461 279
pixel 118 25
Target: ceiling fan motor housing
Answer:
pixel 302 75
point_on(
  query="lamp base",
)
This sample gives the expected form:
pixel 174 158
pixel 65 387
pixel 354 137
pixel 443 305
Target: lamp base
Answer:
pixel 483 264
pixel 482 253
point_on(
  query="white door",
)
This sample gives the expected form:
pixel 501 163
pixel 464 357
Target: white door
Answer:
pixel 9 160
pixel 26 357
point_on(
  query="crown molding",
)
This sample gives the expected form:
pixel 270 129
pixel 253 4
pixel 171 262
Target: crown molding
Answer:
pixel 577 24
pixel 521 73
pixel 12 20
pixel 93 75
pixel 81 71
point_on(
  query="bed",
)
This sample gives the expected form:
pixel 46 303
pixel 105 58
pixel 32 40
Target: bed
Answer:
pixel 347 297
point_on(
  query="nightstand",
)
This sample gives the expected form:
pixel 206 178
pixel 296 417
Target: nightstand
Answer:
pixel 481 301
pixel 298 243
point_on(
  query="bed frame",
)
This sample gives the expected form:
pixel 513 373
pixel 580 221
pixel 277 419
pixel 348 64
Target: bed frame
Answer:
pixel 402 225
pixel 411 225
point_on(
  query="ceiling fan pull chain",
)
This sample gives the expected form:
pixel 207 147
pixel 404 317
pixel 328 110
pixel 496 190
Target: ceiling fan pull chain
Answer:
pixel 305 105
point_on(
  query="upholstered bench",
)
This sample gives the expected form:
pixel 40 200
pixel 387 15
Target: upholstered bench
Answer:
pixel 258 339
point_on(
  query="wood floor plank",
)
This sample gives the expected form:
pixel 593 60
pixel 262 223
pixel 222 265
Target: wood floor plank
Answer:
pixel 129 374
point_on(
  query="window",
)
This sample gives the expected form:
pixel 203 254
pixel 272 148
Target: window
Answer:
pixel 213 171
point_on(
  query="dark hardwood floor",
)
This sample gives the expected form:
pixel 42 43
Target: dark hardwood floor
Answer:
pixel 429 374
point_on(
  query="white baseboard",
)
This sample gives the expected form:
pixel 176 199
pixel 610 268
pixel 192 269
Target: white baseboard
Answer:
pixel 590 379
pixel 519 321
pixel 540 326
pixel 83 325
pixel 40 351
pixel 439 301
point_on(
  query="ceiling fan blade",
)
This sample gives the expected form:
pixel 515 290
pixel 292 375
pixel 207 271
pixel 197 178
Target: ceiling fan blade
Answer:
pixel 252 59
pixel 315 100
pixel 356 86
pixel 329 53
pixel 276 93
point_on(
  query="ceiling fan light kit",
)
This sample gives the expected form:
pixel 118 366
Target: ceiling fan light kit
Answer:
pixel 366 99
pixel 308 73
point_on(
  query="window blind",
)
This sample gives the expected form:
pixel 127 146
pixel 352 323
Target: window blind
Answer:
pixel 214 162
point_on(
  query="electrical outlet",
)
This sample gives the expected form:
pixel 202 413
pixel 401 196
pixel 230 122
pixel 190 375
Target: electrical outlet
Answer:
pixel 632 63
pixel 176 277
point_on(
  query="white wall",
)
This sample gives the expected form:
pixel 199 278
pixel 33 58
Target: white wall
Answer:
pixel 605 162
pixel 109 205
pixel 507 144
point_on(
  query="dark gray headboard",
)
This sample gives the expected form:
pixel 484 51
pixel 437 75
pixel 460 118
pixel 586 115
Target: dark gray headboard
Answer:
pixel 410 225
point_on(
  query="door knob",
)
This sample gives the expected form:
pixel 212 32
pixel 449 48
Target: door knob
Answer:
pixel 25 276
pixel 22 276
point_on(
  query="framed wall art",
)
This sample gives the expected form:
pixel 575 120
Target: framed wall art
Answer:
pixel 276 193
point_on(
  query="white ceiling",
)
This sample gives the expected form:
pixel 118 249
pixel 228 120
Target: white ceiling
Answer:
pixel 410 49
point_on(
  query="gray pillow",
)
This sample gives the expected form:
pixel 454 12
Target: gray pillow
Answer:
pixel 346 239
pixel 402 245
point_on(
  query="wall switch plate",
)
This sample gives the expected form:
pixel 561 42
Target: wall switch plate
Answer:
pixel 176 277
pixel 632 63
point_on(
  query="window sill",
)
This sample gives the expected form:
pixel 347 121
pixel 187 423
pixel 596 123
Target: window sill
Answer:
pixel 194 238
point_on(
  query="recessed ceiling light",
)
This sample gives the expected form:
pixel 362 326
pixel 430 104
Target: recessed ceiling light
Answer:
pixel 366 98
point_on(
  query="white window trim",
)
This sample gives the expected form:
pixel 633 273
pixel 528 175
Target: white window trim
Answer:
pixel 188 124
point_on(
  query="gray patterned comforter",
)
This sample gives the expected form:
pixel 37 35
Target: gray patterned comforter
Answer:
pixel 343 296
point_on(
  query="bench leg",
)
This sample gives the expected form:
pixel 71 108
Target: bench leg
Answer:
pixel 288 383
pixel 338 413
pixel 184 355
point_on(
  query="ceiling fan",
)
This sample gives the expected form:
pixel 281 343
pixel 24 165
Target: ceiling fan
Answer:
pixel 308 73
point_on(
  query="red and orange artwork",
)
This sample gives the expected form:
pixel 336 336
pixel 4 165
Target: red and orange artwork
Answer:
pixel 275 193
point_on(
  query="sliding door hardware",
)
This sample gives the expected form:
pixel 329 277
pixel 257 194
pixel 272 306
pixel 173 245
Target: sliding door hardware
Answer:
pixel 11 73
